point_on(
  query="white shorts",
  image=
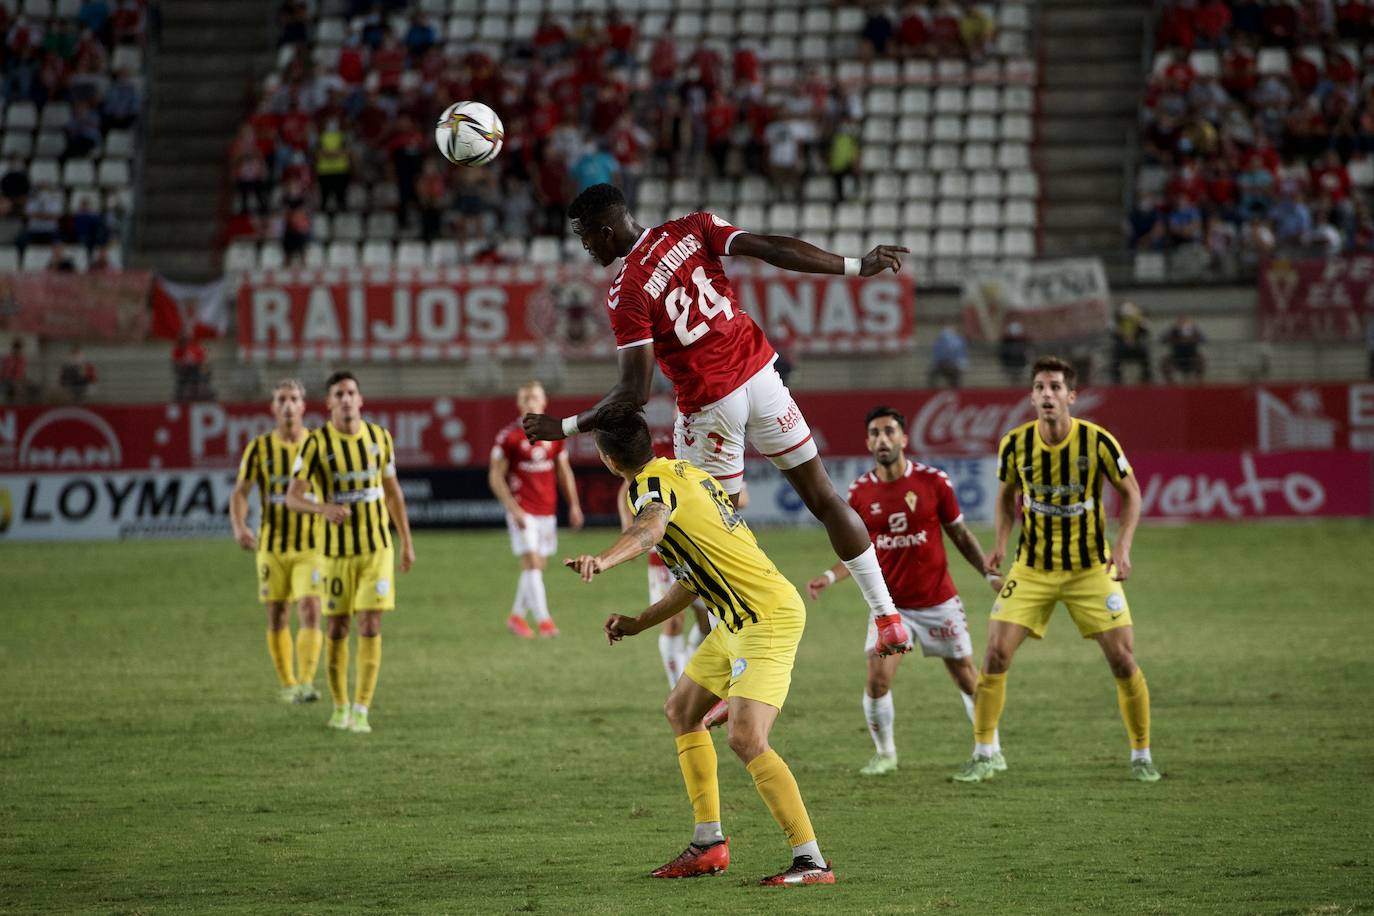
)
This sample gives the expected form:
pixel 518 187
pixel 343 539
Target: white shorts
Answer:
pixel 540 535
pixel 660 581
pixel 942 630
pixel 762 411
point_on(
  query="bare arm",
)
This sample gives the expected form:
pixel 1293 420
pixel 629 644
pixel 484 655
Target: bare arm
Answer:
pixel 1127 520
pixel 803 257
pixel 618 626
pixel 968 545
pixel 823 581
pixel 568 484
pixel 644 532
pixel 500 488
pixel 396 508
pixel 1005 517
pixel 634 386
pixel 238 515
pixel 298 500
pixel 622 506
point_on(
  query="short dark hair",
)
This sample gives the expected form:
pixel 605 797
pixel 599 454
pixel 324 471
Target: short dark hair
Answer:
pixel 343 375
pixel 882 410
pixel 1055 364
pixel 596 204
pixel 622 434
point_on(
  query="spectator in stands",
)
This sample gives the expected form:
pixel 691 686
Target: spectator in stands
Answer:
pixel 250 171
pixel 517 208
pixel 1013 352
pixel 1324 239
pixel 296 227
pixel 432 191
pixel 293 20
pixel 1130 342
pixel 913 32
pixel 42 213
pixel 127 23
pixel 14 374
pixel 333 167
pixel 88 84
pixel 948 358
pixel 1147 226
pixel 785 156
pixel 421 36
pixel 123 102
pixel 1212 23
pixel 877 32
pixel 82 131
pixel 77 375
pixel 95 15
pixel 551 191
pixel 843 158
pixel 60 39
pixel 629 143
pixel 944 29
pixel 14 186
pixel 406 151
pixel 977 29
pixel 1369 343
pixel 21 74
pixel 189 370
pixel 1291 216
pixel 596 165
pixel 1184 222
pixel 720 116
pixel 87 226
pixel 1185 359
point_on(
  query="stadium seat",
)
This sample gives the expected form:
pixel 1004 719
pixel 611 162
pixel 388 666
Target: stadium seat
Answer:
pixel 17 144
pixel 884 215
pixel 749 216
pixel 410 253
pixel 313 255
pixel 652 192
pixel 271 256
pixel 815 217
pixel 982 243
pixel 1013 156
pixel 918 214
pixel 67 9
pixel 951 214
pixel 21 116
pixel 1019 99
pixel 950 100
pixel 985 214
pixel 1019 214
pixel 987 184
pixel 1018 243
pixel 381 225
pixel 544 250
pixel 919 186
pixel 114 173
pixel 341 254
pixel 949 243
pixel 9 260
pixel 979 156
pixel 36 9
pixel 954 185
pixel 320 227
pixel 876 129
pixel 36 258
pixel 816 187
pixel 981 129
pixel 376 254
pixel 1272 61
pixel 851 217
pixel 918 72
pixel 1023 183
pixel 880 102
pixel 444 253
pixel 915 100
pixel 1016 127
pixel 947 129
pixel 78 173
pixel 917 239
pixel 348 227
pixel 850 244
pixel 782 218
pixel 119 144
pixel 885 186
pixel 127 57
pixel 944 157
pixel 50 144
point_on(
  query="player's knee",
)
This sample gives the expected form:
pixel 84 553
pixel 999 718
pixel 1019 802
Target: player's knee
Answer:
pixel 1122 664
pixel 675 711
pixel 746 744
pixel 878 685
pixel 997 660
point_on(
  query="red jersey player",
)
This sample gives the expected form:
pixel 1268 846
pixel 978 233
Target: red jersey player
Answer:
pixel 905 505
pixel 672 301
pixel 521 476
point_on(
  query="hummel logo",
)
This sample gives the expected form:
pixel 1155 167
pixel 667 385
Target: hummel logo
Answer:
pixel 612 302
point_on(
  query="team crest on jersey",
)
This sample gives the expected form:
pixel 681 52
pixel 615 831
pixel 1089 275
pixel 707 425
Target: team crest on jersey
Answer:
pixel 875 508
pixel 680 467
pixel 910 499
pixel 537 453
pixel 1082 464
pixel 718 221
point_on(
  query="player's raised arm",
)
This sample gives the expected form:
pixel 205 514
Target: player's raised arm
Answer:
pixel 644 532
pixel 803 257
pixel 633 388
pixel 618 626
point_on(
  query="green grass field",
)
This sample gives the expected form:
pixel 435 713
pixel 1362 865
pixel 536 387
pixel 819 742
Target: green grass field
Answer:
pixel 146 767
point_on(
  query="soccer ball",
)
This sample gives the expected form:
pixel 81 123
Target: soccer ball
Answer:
pixel 469 134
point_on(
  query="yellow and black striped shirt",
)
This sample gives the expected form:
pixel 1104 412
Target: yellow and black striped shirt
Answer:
pixel 349 470
pixel 267 461
pixel 708 547
pixel 1062 523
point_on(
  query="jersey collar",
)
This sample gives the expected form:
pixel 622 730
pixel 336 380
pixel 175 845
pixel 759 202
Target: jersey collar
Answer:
pixel 639 241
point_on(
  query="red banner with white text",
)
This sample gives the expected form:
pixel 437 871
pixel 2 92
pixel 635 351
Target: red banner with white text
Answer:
pixel 1324 300
pixel 451 313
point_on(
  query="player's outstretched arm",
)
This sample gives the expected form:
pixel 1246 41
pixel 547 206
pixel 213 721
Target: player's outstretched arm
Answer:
pixel 968 545
pixel 1127 520
pixel 1004 515
pixel 238 515
pixel 644 532
pixel 826 579
pixel 635 385
pixel 618 626
pixel 803 257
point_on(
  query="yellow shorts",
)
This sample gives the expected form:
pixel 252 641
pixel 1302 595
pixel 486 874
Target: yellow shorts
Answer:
pixel 1095 600
pixel 289 576
pixel 361 583
pixel 756 662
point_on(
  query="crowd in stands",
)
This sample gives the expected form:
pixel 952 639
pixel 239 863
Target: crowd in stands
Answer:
pixel 585 99
pixel 73 92
pixel 1254 119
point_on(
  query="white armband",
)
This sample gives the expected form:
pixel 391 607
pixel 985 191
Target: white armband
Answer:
pixel 570 426
pixel 852 266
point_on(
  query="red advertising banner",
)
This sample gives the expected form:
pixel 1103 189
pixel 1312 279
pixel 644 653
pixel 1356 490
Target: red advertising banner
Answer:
pixel 458 432
pixel 450 313
pixel 1235 485
pixel 111 306
pixel 1328 300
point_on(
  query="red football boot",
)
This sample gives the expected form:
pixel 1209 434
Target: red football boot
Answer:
pixel 519 627
pixel 716 715
pixel 547 629
pixel 802 871
pixel 696 861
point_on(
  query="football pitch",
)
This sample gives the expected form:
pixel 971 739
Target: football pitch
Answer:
pixel 146 766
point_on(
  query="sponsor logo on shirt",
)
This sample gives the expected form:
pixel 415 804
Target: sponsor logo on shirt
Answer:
pixel 900 541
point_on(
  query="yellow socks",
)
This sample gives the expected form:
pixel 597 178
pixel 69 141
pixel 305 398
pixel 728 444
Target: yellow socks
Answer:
pixel 279 647
pixel 1133 696
pixel 338 671
pixel 369 663
pixel 988 699
pixel 696 755
pixel 308 644
pixel 780 793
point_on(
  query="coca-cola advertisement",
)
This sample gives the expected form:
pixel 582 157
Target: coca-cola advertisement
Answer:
pixel 1330 299
pixel 452 313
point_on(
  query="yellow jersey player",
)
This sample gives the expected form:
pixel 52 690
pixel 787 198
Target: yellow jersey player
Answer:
pixel 1057 464
pixel 287 544
pixel 685 514
pixel 353 463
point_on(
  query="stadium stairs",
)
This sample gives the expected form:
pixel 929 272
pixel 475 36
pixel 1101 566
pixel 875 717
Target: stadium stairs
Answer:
pixel 1090 94
pixel 210 52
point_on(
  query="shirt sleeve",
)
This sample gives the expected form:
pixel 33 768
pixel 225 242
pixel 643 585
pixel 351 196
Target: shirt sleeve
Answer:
pixel 853 497
pixel 947 506
pixel 717 233
pixel 1006 461
pixel 248 467
pixel 307 462
pixel 388 454
pixel 652 489
pixel 629 317
pixel 1110 457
